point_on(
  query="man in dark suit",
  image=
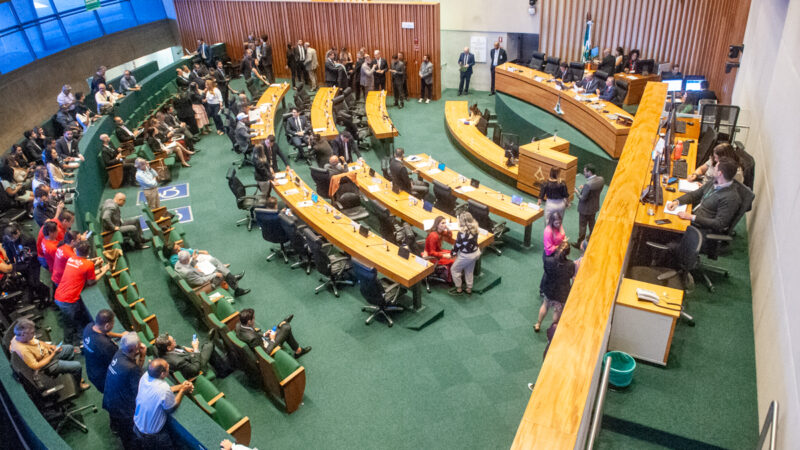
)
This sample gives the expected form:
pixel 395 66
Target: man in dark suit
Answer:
pixel 266 59
pixel 344 147
pixel 31 148
pixel 563 73
pixel 189 361
pixel 465 62
pixel 715 204
pixel 246 66
pixel 609 91
pixel 398 80
pixel 273 152
pixel 112 156
pixel 589 84
pixel 607 64
pixel 497 56
pixel 204 52
pixel 66 147
pixel 588 202
pixel 401 178
pixel 331 71
pixel 693 97
pixel 271 339
pixel 299 130
pixel 222 82
pixel 125 136
pixel 381 66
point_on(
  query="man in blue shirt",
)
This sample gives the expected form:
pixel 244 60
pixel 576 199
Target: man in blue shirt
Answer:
pixel 122 385
pixel 147 178
pixel 98 348
pixel 154 401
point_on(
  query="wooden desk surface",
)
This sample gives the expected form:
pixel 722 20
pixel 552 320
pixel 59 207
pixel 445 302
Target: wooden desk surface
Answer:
pixel 268 105
pixel 560 399
pixel 322 120
pixel 676 223
pixel 344 236
pixel 378 117
pixel 587 116
pixel 636 84
pixel 497 202
pixel 406 206
pixel 669 300
pixel 480 146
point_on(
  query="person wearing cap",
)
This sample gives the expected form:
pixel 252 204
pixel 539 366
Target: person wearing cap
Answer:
pixel 243 133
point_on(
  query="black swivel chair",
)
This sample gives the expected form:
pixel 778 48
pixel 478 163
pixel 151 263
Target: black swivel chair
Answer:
pixel 347 199
pixel 322 179
pixel 244 201
pixel 381 294
pixel 552 65
pixel 622 92
pixel 302 149
pixel 480 213
pixel 334 269
pixel 385 220
pixel 537 61
pixel 445 200
pixel 293 228
pixel 601 76
pixel 576 68
pixel 272 231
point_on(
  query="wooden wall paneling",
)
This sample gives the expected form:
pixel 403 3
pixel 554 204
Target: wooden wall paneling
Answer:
pixel 323 24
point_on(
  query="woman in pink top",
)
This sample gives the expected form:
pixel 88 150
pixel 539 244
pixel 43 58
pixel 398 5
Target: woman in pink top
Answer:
pixel 553 233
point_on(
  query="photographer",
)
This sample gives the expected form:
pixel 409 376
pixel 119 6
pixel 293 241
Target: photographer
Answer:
pixel 43 208
pixel 20 252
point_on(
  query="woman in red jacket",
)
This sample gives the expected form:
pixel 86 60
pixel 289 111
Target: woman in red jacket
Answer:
pixel 433 245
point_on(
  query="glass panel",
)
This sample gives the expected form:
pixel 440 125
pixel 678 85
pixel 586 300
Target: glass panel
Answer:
pixel 64 5
pixel 116 17
pixel 6 18
pixel 32 9
pixel 13 52
pixel 81 27
pixel 149 10
pixel 46 38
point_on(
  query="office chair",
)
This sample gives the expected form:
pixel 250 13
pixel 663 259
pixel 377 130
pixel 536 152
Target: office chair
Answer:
pixel 647 66
pixel 293 229
pixel 497 135
pixel 601 76
pixel 722 119
pixel 386 169
pixel 480 213
pixel 482 126
pixel 552 65
pixel 622 92
pixel 385 220
pixel 381 294
pixel 685 256
pixel 243 201
pixel 347 199
pixel 322 180
pixel 748 164
pixel 298 150
pixel 272 231
pixel 334 269
pixel 576 68
pixel 703 102
pixel 537 61
pixel 708 139
pixel 444 198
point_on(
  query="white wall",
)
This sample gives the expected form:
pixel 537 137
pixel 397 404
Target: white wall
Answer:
pixel 766 90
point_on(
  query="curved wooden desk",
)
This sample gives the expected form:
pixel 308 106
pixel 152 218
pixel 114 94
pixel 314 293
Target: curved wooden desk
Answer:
pixel 558 413
pixel 636 83
pixel 340 232
pixel 323 121
pixel 378 117
pixel 267 109
pixel 521 82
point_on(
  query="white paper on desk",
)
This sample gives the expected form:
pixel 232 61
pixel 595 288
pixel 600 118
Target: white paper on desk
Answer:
pixel 291 192
pixel 280 175
pixel 465 189
pixel 263 108
pixel 433 171
pixel 305 204
pixel 374 188
pixel 630 77
pixel 687 186
pixel 421 261
pixel 206 267
pixel 376 181
pixel 253 116
pixel 539 79
pixel 319 130
pixel 423 164
pixel 675 211
pixel 558 87
pixel 274 85
pixel 482 232
pixel 353 168
pixel 280 182
pixel 427 224
pixel 534 206
pixel 413 158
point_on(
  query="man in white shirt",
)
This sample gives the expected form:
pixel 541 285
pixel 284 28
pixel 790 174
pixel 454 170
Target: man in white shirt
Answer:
pixel 104 99
pixel 154 401
pixel 148 181
pixel 66 98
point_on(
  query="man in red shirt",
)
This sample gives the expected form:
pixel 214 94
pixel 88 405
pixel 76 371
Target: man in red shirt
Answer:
pixel 78 273
pixel 65 251
pixel 49 244
pixel 64 220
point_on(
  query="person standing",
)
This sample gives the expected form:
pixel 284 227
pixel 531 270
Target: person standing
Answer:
pixel 147 178
pixel 356 76
pixel 367 78
pixel 588 202
pixel 204 52
pixel 498 56
pixel 426 76
pixel 466 252
pixel 122 385
pixel 291 64
pixel 398 80
pixel 331 71
pixel 154 400
pixel 300 60
pixel 311 63
pixel 98 348
pixel 465 62
pixel 380 66
pixel 266 59
pixel 554 193
pixel 608 62
pixel 556 284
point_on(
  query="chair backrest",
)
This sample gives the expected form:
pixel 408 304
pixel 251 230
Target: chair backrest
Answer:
pixel 552 65
pixel 270 223
pixel 236 186
pixel 480 213
pixel 721 118
pixel 289 226
pixel 708 139
pixel 445 200
pixel 601 75
pixel 321 260
pixel 482 125
pixel 384 219
pixel 622 92
pixel 322 179
pixel 703 102
pixel 746 196
pixel 576 68
pixel 368 283
pixel 647 66
pixel 244 356
pixel 537 61
pixel 688 251
pixel 748 164
pixel 497 135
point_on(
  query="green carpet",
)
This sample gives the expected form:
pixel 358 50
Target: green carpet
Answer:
pixel 459 382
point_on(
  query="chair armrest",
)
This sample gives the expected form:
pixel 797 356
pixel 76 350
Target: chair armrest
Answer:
pixel 202 287
pixel 336 259
pixel 288 379
pixel 719 237
pixel 657 246
pixel 667 275
pixel 52 390
pixel 110 244
pixel 113 166
pixel 106 233
pixel 138 300
pixel 245 420
pixel 216 397
pixel 114 274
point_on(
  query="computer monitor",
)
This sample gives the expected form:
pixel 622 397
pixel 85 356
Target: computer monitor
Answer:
pixel 693 83
pixel 675 85
pixel 647 65
pixel 594 53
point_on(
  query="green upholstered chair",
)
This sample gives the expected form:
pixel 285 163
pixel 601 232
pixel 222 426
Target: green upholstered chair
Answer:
pixel 283 377
pixel 233 421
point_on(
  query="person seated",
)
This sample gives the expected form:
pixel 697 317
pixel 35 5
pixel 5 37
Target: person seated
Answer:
pixel 83 114
pixel 633 65
pixel 111 217
pixel 33 150
pixel 43 209
pixel 271 339
pixel 609 92
pixel 113 156
pixel 169 134
pixel 67 121
pixel 15 190
pixel 182 78
pixel 673 74
pixel 126 136
pixel 299 129
pixel 98 348
pixel 400 176
pixel 154 140
pixel 433 245
pixel 589 84
pixel 200 268
pixel 58 177
pixel 104 99
pixel 344 147
pixel 322 149
pixel 716 202
pixel 128 83
pixel 334 166
pixel 692 98
pixel 608 62
pixel 53 360
pixel 175 123
pixel 708 170
pixel 189 361
pixel 563 73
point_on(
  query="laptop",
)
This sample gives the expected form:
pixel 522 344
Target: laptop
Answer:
pixel 516 199
pixel 403 252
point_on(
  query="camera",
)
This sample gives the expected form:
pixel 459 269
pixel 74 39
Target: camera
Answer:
pixel 67 195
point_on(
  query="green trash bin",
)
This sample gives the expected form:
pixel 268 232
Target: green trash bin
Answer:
pixel 622 367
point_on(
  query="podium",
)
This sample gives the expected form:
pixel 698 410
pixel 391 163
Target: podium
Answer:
pixel 537 158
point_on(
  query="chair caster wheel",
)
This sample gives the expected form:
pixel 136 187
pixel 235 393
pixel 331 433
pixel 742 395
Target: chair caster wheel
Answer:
pixel 391 325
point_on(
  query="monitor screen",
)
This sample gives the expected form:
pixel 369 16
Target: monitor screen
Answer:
pixel 595 52
pixel 674 85
pixel 694 84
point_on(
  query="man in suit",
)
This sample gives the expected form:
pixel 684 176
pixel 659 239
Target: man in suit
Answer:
pixel 266 59
pixel 273 152
pixel 321 148
pixel 243 133
pixel 609 91
pixel 715 204
pixel 381 66
pixel 497 56
pixel 299 130
pixel 189 361
pixel 111 217
pixel 331 71
pixel 588 202
pixel 465 62
pixel 186 267
pixel 608 62
pixel 563 73
pixel 311 64
pixel 398 80
pixel 246 66
pixel 401 178
pixel 112 156
pixel 66 147
pixel 300 61
pixel 692 98
pixel 271 339
pixel 31 147
pixel 222 82
pixel 125 136
pixel 344 147
pixel 334 166
pixel 204 52
pixel 589 84
pixel 98 78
